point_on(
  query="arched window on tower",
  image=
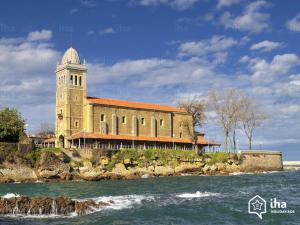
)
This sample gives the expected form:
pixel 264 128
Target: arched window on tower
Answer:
pixel 71 80
pixel 80 81
pixel 75 80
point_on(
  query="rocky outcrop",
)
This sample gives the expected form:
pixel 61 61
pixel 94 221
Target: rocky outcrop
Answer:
pixel 23 205
pixel 163 171
pixel 17 173
pixel 51 166
pixel 188 168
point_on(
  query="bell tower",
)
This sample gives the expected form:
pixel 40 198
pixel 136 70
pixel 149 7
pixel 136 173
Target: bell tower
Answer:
pixel 70 97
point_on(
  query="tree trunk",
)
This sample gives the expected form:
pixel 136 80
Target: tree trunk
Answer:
pixel 234 141
pixel 250 143
pixel 225 141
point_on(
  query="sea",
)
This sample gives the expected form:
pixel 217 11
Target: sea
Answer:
pixel 173 200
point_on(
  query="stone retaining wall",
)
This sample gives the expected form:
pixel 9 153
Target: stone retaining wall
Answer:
pixel 254 160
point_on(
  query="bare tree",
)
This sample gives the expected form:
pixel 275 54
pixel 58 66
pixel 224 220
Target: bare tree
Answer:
pixel 196 108
pixel 45 129
pixel 251 118
pixel 226 106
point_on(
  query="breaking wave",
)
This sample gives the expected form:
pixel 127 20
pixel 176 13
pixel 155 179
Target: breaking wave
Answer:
pixel 197 194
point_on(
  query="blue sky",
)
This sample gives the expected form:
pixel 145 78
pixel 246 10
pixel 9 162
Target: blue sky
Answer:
pixel 158 51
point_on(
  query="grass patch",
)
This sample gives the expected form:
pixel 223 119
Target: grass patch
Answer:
pixel 217 157
pixel 147 156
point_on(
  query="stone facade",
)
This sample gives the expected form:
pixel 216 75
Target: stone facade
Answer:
pixel 75 112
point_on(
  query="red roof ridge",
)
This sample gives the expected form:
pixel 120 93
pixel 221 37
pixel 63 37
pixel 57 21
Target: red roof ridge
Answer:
pixel 132 104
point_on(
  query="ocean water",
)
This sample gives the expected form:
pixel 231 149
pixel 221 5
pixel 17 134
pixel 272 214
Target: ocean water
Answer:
pixel 171 200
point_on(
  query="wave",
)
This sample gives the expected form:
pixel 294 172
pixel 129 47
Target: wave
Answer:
pixel 123 201
pixel 197 194
pixel 113 202
pixel 10 195
pixel 241 173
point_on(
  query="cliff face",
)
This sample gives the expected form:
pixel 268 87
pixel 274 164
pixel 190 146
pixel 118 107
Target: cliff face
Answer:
pixel 55 164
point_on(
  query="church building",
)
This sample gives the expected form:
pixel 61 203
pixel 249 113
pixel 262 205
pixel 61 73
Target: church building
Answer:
pixel 90 122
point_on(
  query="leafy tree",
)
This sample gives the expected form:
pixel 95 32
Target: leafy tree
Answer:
pixel 12 125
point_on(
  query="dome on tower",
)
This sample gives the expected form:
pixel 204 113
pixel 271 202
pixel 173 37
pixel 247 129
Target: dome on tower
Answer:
pixel 70 56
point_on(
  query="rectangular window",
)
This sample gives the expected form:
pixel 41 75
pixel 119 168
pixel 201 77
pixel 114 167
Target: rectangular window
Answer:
pixel 102 117
pixel 161 122
pixel 180 134
pixel 143 121
pixel 79 81
pixel 75 80
pixel 123 119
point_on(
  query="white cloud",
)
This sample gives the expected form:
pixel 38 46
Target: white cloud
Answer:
pixel 294 23
pixel 252 19
pixel 26 74
pixel 108 30
pixel 266 46
pixel 204 47
pixel 73 11
pixel 43 35
pixel 88 3
pixel 153 72
pixel 176 4
pixel 265 72
pixel 244 59
pixel 227 3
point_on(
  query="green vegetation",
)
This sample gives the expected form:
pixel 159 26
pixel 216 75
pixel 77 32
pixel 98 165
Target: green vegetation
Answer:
pixel 144 158
pixel 12 125
pixel 217 157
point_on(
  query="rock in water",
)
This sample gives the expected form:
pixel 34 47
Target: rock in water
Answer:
pixel 23 205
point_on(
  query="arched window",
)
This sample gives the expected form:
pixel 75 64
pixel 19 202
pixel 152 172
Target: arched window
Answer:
pixel 80 81
pixel 71 80
pixel 75 80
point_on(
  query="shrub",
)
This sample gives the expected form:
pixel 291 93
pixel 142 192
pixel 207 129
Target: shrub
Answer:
pixel 217 157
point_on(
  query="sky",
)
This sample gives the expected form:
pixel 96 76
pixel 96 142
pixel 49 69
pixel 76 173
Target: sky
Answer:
pixel 158 51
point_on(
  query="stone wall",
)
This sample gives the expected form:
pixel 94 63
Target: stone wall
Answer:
pixel 164 123
pixel 261 160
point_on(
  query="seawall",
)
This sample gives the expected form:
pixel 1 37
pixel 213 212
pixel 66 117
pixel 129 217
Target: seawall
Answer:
pixel 254 160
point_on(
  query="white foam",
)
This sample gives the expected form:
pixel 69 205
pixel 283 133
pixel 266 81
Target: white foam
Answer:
pixel 240 173
pixel 123 201
pixel 11 195
pixel 197 194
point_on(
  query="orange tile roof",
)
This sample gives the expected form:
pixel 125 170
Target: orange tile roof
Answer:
pixel 49 140
pixel 88 135
pixel 136 105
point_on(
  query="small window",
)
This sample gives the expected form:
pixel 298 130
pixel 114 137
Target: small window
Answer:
pixel 75 80
pixel 64 81
pixel 180 134
pixel 75 98
pixel 161 122
pixel 123 119
pixel 76 124
pixel 143 121
pixel 71 79
pixel 102 118
pixel 80 81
